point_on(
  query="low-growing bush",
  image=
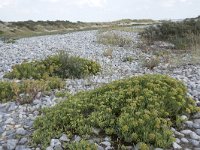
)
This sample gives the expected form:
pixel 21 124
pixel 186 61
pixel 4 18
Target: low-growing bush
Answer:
pixel 138 109
pixel 183 34
pixel 60 65
pixel 26 90
pixel 112 38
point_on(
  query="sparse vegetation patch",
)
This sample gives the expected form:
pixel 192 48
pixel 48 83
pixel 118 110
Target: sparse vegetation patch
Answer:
pixel 112 38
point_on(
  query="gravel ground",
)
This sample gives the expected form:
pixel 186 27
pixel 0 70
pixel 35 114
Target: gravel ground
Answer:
pixel 16 120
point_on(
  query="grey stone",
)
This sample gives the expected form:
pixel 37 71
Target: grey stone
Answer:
pixel 21 131
pixel 196 126
pixel 23 140
pixel 197 115
pixel 197 131
pixel 176 146
pixel 178 140
pixel 179 134
pixel 20 147
pixel 36 101
pixel 77 138
pixel 106 143
pixel 195 142
pixel 184 140
pixel 55 142
pixel 99 147
pixel 12 107
pixel 189 124
pixel 197 121
pixel 9 121
pixel 186 132
pixel 194 136
pixel 11 144
pixel 64 138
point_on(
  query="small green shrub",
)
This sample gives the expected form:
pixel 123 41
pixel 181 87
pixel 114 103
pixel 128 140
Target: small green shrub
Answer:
pixel 111 38
pixel 60 65
pixel 182 34
pixel 138 109
pixel 26 90
pixel 82 145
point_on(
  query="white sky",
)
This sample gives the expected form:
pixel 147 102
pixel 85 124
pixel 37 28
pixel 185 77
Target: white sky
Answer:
pixel 97 10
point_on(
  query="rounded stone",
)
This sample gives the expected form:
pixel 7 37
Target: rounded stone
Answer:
pixel 21 131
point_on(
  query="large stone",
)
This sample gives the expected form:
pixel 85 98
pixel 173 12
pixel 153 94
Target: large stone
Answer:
pixel 176 146
pixel 184 140
pixel 20 147
pixel 55 142
pixel 189 124
pixel 64 138
pixel 21 131
pixel 186 132
pixel 196 126
pixel 106 143
pixel 194 136
pixel 11 144
pixel 195 142
pixel 23 141
pixel 198 131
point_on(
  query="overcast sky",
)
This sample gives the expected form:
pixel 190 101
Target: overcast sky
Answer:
pixel 97 10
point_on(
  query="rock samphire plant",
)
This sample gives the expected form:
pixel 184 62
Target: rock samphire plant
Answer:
pixel 60 65
pixel 138 109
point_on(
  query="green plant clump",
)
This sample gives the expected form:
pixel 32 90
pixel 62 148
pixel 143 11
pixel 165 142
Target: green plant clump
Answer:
pixel 60 65
pixel 26 90
pixel 183 35
pixel 138 109
pixel 82 145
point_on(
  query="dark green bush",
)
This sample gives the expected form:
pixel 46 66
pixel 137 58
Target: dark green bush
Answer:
pixel 60 65
pixel 138 109
pixel 182 34
pixel 26 90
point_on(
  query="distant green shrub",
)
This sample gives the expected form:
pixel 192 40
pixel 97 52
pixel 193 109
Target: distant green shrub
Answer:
pixel 26 90
pixel 138 109
pixel 60 65
pixel 182 34
pixel 112 38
